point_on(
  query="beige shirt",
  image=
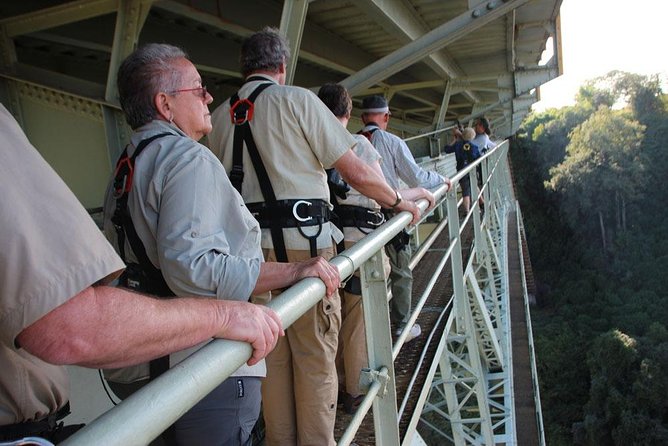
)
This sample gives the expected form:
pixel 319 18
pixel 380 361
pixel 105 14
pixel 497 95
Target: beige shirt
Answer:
pixel 50 250
pixel 297 137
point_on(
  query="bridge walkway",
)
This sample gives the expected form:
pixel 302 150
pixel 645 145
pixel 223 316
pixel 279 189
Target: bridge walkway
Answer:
pixel 409 359
pixel 525 407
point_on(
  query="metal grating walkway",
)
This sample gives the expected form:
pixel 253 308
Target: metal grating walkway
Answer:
pixel 408 360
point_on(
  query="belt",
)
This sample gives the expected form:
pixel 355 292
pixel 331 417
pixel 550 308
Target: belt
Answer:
pixel 291 213
pixel 358 217
pixel 32 428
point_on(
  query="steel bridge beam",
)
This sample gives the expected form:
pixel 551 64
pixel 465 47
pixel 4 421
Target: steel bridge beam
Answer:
pixel 434 40
pixel 401 21
pixel 57 15
pixel 292 26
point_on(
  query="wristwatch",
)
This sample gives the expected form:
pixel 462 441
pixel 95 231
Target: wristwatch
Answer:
pixel 399 198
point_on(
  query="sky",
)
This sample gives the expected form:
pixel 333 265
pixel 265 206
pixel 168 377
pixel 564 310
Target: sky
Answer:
pixel 599 36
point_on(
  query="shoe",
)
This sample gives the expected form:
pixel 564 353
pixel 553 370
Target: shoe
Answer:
pixel 351 403
pixel 414 332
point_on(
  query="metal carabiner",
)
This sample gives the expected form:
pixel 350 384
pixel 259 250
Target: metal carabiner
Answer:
pixel 381 219
pixel 294 210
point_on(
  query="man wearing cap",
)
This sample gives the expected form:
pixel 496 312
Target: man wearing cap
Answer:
pixel 274 141
pixel 397 163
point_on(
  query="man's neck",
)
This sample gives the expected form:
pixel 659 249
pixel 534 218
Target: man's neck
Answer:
pixel 273 75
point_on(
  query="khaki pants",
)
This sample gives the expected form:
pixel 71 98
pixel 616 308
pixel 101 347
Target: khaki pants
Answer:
pixel 300 390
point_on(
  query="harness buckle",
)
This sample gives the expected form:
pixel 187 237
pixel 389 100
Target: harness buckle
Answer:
pixel 241 112
pixel 296 215
pixel 123 177
pixel 237 174
pixel 380 218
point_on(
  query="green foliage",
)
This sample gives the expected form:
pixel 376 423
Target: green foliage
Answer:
pixel 603 160
pixel 601 336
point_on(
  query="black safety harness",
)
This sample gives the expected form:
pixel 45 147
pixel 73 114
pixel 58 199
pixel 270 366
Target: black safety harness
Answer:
pixel 350 216
pixel 48 428
pixel 142 276
pixel 271 213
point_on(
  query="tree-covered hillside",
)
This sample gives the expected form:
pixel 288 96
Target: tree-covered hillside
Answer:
pixel 591 180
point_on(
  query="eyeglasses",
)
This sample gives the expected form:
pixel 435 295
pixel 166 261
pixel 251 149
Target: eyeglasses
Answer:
pixel 202 91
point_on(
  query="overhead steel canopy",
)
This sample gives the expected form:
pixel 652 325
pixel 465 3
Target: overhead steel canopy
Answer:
pixel 436 61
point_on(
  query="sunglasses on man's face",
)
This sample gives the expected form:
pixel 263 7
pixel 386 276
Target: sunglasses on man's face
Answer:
pixel 202 91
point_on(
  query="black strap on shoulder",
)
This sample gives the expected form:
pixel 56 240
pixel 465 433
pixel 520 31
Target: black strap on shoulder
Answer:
pixel 241 113
pixel 143 276
pixel 154 281
pixel 368 133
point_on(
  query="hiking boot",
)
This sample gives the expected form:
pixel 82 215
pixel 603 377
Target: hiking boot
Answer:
pixel 414 332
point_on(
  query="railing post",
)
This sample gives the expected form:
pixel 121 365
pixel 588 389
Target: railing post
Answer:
pixel 475 208
pixel 379 348
pixel 456 257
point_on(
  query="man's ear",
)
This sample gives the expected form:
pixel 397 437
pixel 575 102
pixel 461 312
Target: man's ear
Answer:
pixel 163 107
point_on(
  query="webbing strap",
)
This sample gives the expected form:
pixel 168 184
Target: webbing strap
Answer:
pixel 243 134
pixel 124 227
pixel 123 221
pixel 368 133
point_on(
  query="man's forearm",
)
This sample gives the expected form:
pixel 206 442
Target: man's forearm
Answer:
pixel 363 178
pixel 111 327
pixel 275 275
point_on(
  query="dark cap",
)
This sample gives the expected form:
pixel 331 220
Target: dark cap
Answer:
pixel 375 104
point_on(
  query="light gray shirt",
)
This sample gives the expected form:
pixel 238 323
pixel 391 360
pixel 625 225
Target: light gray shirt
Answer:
pixel 483 142
pixel 193 224
pixel 397 161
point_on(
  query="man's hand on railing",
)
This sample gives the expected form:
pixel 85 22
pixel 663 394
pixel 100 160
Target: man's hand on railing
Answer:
pixel 410 206
pixel 419 193
pixel 318 267
pixel 256 324
pixel 447 182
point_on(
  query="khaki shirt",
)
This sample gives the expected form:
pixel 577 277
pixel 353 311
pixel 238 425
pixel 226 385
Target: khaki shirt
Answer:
pixel 50 250
pixel 297 137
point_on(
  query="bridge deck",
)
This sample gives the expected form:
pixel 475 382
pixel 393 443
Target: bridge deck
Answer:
pixel 525 408
pixel 408 360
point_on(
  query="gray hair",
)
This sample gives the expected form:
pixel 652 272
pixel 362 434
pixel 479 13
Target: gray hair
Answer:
pixel 142 75
pixel 264 50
